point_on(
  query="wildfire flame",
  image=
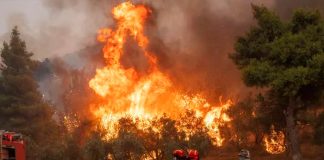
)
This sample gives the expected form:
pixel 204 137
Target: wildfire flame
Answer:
pixel 142 97
pixel 71 122
pixel 274 142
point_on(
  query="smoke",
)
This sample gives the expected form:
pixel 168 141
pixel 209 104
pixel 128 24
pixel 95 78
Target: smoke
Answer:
pixel 286 8
pixel 63 81
pixel 192 39
pixel 197 37
pixel 58 27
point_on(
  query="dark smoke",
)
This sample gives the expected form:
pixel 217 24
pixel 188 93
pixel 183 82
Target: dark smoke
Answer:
pixel 195 37
pixel 192 39
pixel 64 80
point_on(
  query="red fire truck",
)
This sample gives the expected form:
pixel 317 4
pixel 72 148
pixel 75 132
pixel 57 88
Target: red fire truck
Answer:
pixel 12 146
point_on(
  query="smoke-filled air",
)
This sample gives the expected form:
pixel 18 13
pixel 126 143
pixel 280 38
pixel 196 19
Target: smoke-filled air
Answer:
pixel 162 80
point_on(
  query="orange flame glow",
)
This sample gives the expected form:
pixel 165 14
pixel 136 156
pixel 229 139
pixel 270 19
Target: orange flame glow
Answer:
pixel 128 93
pixel 275 142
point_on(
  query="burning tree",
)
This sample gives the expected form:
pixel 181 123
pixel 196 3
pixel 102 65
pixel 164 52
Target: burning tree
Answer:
pixel 143 96
pixel 155 142
pixel 287 60
pixel 247 121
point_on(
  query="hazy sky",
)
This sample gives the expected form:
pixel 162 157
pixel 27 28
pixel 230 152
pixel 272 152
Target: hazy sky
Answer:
pixel 50 31
pixel 27 10
pixel 57 27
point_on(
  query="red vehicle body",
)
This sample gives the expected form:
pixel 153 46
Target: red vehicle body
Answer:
pixel 12 146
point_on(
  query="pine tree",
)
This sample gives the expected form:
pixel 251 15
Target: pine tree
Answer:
pixel 22 108
pixel 287 60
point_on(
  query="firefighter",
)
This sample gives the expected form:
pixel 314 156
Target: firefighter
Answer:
pixel 244 155
pixel 179 155
pixel 193 155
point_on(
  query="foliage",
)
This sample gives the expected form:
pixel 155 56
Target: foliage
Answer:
pixel 156 142
pixel 287 60
pixel 247 120
pixel 22 108
pixel 94 148
pixel 195 130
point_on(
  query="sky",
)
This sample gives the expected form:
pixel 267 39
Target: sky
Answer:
pixel 31 12
pixel 50 31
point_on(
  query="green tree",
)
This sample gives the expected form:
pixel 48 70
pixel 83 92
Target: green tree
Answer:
pixel 95 147
pixel 287 60
pixel 158 140
pixel 129 141
pixel 22 108
pixel 246 120
pixel 195 131
pixel 161 138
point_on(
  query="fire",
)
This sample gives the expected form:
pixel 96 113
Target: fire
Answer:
pixel 71 122
pixel 275 142
pixel 217 114
pixel 127 93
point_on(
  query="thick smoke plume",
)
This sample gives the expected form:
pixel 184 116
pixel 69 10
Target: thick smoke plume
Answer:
pixel 195 38
pixel 191 38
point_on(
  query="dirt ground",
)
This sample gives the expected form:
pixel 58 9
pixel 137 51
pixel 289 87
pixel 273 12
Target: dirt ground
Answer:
pixel 310 152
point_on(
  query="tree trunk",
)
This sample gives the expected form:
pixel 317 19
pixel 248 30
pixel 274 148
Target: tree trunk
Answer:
pixel 293 143
pixel 258 137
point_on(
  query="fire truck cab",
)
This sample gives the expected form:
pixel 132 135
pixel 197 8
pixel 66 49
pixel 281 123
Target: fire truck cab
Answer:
pixel 12 146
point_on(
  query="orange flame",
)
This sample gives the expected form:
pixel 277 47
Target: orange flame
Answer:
pixel 275 142
pixel 71 122
pixel 142 97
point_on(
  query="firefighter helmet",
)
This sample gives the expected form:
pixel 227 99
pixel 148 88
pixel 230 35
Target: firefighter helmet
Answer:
pixel 179 154
pixel 193 155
